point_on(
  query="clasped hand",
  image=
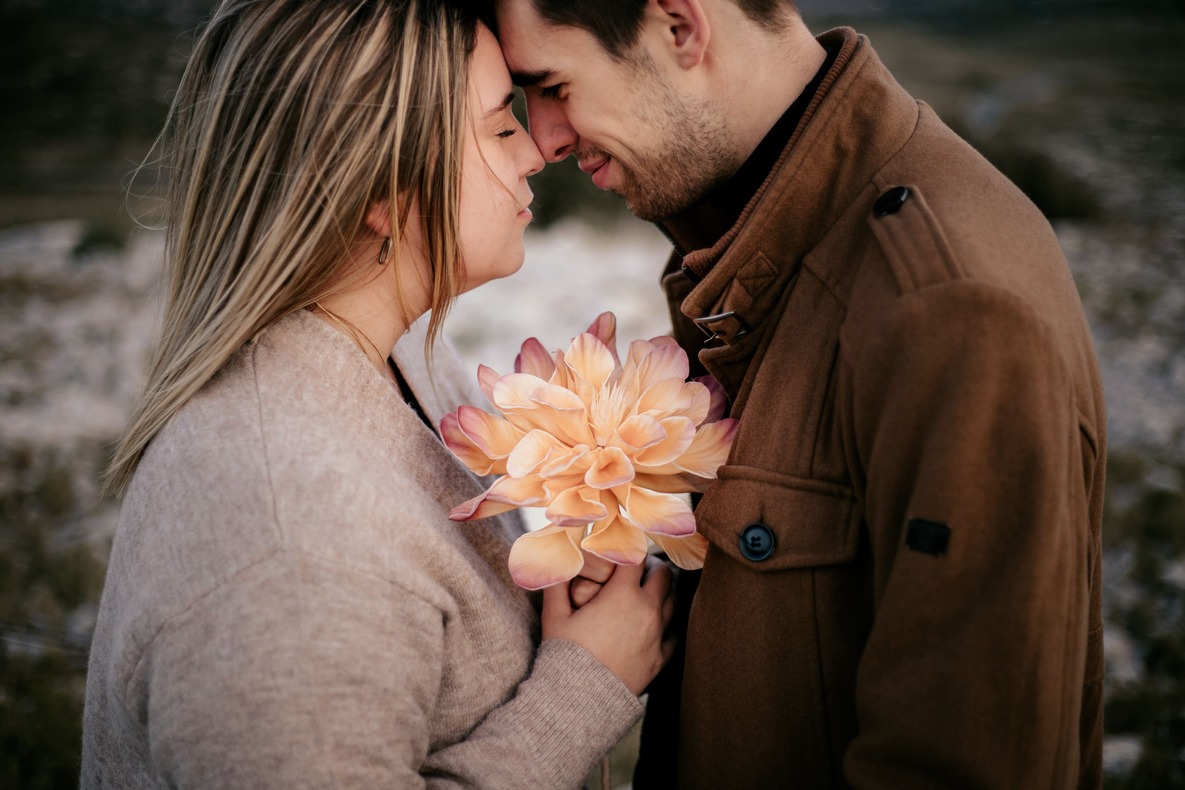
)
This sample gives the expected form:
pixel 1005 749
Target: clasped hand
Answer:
pixel 617 613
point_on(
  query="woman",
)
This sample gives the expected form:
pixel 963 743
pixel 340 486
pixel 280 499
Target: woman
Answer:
pixel 287 603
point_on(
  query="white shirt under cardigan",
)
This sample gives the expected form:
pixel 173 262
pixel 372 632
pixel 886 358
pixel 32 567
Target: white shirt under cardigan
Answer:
pixel 288 605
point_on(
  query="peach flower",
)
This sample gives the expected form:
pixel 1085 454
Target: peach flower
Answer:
pixel 606 447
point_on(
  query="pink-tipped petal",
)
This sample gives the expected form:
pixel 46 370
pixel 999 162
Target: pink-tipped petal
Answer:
pixel 663 340
pixel 545 557
pixel 480 506
pixel 573 461
pixel 671 482
pixel 505 494
pixel 534 359
pixel 616 541
pixel 687 552
pixel 675 398
pixel 561 413
pixel 531 451
pixel 719 402
pixel 590 360
pixel 487 377
pixel 519 491
pixel 561 377
pixel 680 433
pixel 639 432
pixel 466 451
pixel 709 449
pixel 605 330
pixel 663 362
pixel 513 392
pixel 610 467
pixel 493 435
pixel 665 514
pixel 576 507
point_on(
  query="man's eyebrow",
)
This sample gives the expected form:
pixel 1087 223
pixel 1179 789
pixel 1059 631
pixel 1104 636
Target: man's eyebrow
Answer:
pixel 526 79
pixel 505 103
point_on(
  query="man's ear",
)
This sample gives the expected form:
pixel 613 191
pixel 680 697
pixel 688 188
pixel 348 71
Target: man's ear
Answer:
pixel 688 28
pixel 378 218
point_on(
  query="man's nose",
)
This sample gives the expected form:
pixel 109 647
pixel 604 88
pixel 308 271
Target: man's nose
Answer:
pixel 549 127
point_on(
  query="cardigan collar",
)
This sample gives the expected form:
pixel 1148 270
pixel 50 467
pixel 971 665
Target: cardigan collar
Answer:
pixel 858 118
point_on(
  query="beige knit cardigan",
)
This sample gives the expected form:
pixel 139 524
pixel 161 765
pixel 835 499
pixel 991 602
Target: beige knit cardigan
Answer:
pixel 288 605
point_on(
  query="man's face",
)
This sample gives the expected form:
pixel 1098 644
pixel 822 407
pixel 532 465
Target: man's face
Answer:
pixel 626 123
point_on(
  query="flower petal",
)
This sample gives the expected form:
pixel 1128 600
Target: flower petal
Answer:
pixel 493 435
pixel 545 557
pixel 680 433
pixel 561 413
pixel 610 467
pixel 505 494
pixel 671 482
pixel 605 330
pixel 487 377
pixel 709 449
pixel 466 451
pixel 530 452
pixel 676 398
pixel 576 507
pixel 639 432
pixel 534 359
pixel 666 514
pixel 513 392
pixel 616 541
pixel 719 403
pixel 686 552
pixel 591 360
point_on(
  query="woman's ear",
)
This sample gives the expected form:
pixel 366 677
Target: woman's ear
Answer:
pixel 688 30
pixel 378 218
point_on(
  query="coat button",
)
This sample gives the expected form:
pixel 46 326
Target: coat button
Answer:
pixel 757 542
pixel 890 202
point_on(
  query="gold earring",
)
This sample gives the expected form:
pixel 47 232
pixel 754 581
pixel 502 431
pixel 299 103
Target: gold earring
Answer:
pixel 385 251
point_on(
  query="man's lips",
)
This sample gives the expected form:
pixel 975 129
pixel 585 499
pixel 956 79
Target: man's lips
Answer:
pixel 598 169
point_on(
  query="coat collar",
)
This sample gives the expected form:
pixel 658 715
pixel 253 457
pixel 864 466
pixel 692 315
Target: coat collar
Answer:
pixel 857 120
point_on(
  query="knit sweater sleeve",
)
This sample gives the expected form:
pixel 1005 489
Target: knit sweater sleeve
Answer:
pixel 300 672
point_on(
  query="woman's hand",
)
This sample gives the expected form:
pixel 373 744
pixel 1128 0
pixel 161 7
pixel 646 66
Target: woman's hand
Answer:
pixel 623 625
pixel 592 577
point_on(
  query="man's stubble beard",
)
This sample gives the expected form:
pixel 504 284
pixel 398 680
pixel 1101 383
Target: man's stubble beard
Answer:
pixel 696 153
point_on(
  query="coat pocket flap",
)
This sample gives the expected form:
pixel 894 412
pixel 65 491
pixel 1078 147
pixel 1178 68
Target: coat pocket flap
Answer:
pixel 812 522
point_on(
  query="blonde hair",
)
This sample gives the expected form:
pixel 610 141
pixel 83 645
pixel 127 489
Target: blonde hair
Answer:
pixel 292 119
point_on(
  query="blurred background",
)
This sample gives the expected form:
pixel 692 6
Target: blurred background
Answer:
pixel 1081 103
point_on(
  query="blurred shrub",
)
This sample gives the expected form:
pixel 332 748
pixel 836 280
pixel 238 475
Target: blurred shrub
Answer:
pixel 100 237
pixel 49 588
pixel 1146 521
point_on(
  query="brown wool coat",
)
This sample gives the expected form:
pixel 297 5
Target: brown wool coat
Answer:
pixel 922 432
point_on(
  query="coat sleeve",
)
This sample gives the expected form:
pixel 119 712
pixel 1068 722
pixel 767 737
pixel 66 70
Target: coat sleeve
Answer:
pixel 964 425
pixel 302 673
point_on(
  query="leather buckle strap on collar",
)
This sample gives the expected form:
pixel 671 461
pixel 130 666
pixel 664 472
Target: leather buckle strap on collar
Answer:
pixel 723 333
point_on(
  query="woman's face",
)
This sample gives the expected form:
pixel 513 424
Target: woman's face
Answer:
pixel 498 157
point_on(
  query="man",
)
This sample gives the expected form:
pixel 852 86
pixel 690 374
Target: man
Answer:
pixel 902 584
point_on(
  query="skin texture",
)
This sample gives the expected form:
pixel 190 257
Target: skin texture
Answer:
pixel 625 122
pixel 674 118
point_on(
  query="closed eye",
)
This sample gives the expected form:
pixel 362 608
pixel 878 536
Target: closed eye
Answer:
pixel 551 91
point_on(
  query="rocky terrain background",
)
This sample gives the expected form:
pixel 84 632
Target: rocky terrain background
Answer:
pixel 1080 103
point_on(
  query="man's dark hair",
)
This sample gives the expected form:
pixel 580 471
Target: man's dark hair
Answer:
pixel 616 23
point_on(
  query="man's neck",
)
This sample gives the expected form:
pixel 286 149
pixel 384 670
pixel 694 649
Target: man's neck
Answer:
pixel 763 77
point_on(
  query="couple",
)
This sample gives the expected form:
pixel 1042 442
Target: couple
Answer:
pixel 902 580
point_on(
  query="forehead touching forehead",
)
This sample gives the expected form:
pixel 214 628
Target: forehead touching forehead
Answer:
pixel 539 37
